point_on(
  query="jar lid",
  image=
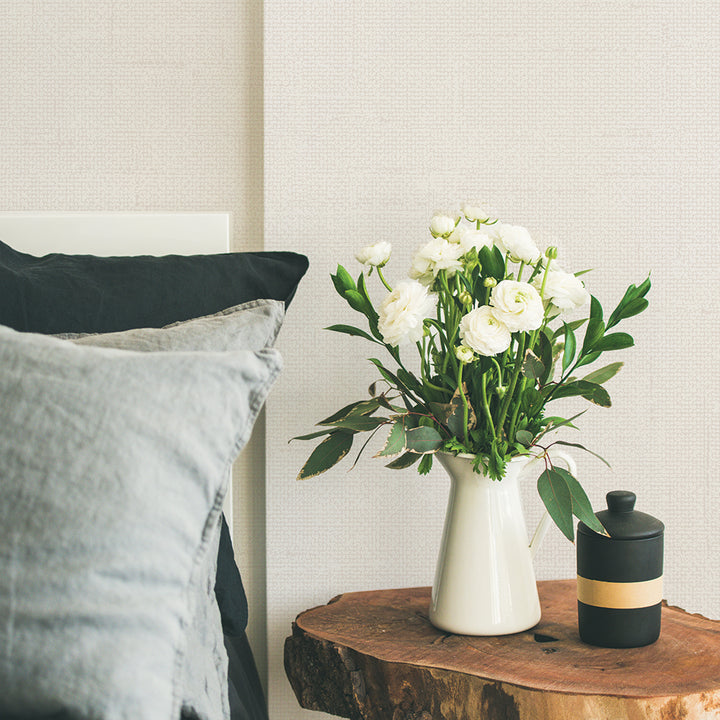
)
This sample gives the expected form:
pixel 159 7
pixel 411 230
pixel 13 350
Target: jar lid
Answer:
pixel 622 521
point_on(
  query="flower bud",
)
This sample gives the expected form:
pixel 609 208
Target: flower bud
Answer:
pixel 489 282
pixel 551 253
pixel 464 354
pixel 442 224
pixel 501 390
pixel 465 298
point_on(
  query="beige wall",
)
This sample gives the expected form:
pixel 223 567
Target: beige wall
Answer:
pixel 595 125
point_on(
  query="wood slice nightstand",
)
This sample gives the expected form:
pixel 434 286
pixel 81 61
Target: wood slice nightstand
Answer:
pixel 375 656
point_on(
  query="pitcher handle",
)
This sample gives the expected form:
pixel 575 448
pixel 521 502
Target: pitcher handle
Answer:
pixel 545 520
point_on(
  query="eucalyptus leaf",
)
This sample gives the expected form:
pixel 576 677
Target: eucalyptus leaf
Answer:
pixel 603 374
pixel 328 453
pixel 581 507
pixel 350 330
pixel 590 391
pixel 524 437
pixel 359 423
pixel 423 439
pixel 581 447
pixel 361 407
pixel 532 366
pixel 556 497
pixel 404 461
pixel 313 435
pixel 395 443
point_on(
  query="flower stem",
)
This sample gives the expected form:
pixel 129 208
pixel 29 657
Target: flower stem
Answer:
pixel 382 278
pixel 466 438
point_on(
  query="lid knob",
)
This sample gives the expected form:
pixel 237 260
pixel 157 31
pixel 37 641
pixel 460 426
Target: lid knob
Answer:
pixel 620 501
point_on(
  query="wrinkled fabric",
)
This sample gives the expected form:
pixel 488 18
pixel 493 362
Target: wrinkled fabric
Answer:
pixel 113 470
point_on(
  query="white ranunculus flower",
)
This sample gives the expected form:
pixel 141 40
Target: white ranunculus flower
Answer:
pixel 437 254
pixel 483 332
pixel 475 239
pixel 403 311
pixel 376 255
pixel 474 211
pixel 563 289
pixel 517 241
pixel 443 223
pixel 517 305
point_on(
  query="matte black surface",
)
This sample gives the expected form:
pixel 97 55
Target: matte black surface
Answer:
pixel 601 558
pixel 609 627
pixel 622 521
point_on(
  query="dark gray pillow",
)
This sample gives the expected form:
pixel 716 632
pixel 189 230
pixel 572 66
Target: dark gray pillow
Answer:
pixel 113 470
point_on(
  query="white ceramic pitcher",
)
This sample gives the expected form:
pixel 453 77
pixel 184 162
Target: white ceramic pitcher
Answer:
pixel 484 581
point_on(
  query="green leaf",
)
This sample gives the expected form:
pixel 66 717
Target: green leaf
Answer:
pixel 545 353
pixel 524 437
pixel 581 507
pixel 350 330
pixel 557 499
pixel 614 341
pixel 329 452
pixel 574 325
pixel 426 463
pixel 423 439
pixel 404 461
pixel 357 301
pixel 581 447
pixel 570 347
pixel 596 311
pixel 492 261
pixel 313 435
pixel 342 281
pixel 629 305
pixel 603 374
pixel 395 442
pixel 532 366
pixel 590 391
pixel 358 423
pixel 362 407
pixel 588 359
pixel 594 332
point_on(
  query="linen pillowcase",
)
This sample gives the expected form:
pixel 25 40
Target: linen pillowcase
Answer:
pixel 250 326
pixel 114 468
pixel 61 293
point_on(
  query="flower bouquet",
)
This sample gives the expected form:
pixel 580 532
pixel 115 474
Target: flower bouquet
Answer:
pixel 490 316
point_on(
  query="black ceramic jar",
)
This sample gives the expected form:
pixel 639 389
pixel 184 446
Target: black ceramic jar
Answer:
pixel 619 578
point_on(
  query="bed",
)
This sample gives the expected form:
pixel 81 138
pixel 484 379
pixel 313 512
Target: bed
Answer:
pixel 134 359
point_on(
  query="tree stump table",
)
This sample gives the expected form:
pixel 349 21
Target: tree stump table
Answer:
pixel 375 656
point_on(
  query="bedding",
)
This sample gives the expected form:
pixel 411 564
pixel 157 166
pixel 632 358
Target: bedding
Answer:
pixel 99 555
pixel 250 326
pixel 61 293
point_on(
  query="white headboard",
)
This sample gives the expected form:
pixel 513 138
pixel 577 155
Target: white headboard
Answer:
pixel 110 233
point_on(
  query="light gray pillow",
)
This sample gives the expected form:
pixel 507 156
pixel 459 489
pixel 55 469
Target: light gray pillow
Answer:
pixel 113 470
pixel 250 326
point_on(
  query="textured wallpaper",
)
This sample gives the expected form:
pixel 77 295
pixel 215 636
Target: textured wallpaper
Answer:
pixel 596 126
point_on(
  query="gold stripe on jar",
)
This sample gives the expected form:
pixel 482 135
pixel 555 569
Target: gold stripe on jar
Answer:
pixel 619 595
